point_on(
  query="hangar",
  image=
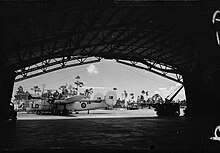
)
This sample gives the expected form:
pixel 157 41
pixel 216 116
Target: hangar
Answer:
pixel 167 37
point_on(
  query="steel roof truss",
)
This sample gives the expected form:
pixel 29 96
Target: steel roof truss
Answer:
pixel 151 70
pixel 148 41
pixel 53 69
pixel 44 66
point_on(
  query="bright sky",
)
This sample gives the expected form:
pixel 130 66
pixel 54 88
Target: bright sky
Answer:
pixel 104 76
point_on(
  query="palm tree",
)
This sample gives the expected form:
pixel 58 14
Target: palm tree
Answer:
pixel 126 94
pixel 70 87
pixel 62 88
pixel 77 77
pixel 49 93
pixel 132 97
pixel 88 92
pixel 157 98
pixel 20 89
pixel 74 91
pixel 125 98
pixel 78 83
pixel 142 96
pixel 19 93
pixel 36 89
pixel 146 94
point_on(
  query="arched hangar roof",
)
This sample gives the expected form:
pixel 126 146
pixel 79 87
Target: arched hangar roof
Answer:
pixel 174 34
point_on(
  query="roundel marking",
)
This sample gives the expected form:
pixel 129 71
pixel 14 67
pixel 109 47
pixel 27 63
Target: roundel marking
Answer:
pixel 83 105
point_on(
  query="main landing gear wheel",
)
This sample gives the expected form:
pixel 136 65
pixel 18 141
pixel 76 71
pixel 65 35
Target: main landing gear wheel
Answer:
pixel 39 112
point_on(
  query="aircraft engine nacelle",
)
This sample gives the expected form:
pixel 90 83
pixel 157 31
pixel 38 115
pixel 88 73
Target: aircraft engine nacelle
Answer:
pixel 111 98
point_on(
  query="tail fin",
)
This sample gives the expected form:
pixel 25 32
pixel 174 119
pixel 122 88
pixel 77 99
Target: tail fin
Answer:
pixel 111 98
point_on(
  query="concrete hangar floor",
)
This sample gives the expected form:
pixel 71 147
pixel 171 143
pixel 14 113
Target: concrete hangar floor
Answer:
pixel 108 130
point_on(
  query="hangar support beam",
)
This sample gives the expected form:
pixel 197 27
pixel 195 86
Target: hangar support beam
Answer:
pixel 7 77
pixel 202 95
pixel 202 82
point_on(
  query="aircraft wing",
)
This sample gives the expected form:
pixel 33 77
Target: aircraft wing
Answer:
pixel 61 102
pixel 69 100
pixel 78 98
pixel 91 100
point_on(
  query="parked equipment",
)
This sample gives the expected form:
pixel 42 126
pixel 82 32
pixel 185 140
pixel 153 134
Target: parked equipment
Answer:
pixel 168 108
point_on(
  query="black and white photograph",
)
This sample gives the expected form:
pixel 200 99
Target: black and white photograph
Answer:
pixel 109 76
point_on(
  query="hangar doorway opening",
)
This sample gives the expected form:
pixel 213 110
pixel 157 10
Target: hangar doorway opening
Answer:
pixel 131 80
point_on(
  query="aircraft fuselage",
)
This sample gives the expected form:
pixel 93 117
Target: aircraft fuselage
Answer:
pixel 80 106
